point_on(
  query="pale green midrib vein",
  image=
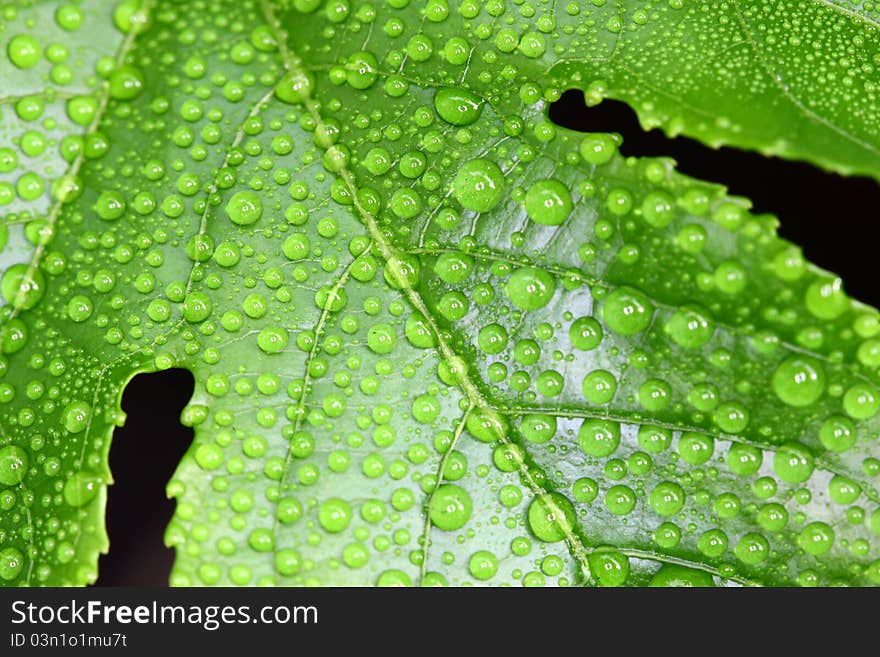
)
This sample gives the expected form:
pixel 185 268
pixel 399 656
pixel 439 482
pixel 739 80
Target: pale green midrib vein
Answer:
pixel 258 107
pixel 659 557
pixel 299 413
pixel 423 231
pixel 214 186
pixel 49 95
pixel 418 82
pixel 55 210
pixel 388 253
pixel 589 280
pixel 639 553
pixel 820 462
pixel 441 470
pixel 571 273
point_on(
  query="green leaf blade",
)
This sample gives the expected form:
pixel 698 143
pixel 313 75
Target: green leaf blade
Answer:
pixel 436 339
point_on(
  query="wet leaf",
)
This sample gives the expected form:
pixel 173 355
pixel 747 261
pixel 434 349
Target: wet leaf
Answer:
pixel 436 338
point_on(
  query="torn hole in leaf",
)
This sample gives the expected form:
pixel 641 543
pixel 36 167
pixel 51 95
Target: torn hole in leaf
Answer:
pixel 143 456
pixel 828 215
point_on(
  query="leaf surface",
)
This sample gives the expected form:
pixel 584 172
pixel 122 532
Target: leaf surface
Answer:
pixel 436 338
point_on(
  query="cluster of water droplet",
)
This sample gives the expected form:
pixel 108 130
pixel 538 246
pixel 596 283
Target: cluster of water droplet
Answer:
pixel 437 339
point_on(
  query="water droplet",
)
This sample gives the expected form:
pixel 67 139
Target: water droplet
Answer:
pixel 538 428
pixel 361 70
pixel 599 387
pixel 13 465
pixel 450 507
pixel 244 208
pixel 272 339
pixel 744 460
pixel 79 308
pixel 658 209
pixel 69 17
pixel 209 456
pixel 772 517
pixel 402 271
pixel 334 515
pixel 861 401
pixel 196 307
pixel 826 299
pixel 548 202
pixel 530 288
pixel 457 106
pixel 690 327
pixel 126 83
pixel 76 416
pixel 295 87
pixel 24 51
pixel 486 425
pixel 483 565
pixel 654 395
pixel 752 549
pixel 799 381
pixel 11 563
pixel 620 500
pixel 110 205
pixel 608 566
pixel 585 333
pixel 696 448
pixel 667 498
pixel 381 338
pixel 672 575
pixel 599 438
pixel 478 185
pixel 838 433
pixel 394 577
pixel 288 562
pixel 22 286
pixel 793 463
pixel 816 538
pixel 585 490
pixel 81 488
pixel 843 490
pixel 130 17
pixel 598 148
pixel 627 311
pixel 551 517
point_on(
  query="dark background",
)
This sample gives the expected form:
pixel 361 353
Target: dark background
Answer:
pixel 832 223
pixel 143 456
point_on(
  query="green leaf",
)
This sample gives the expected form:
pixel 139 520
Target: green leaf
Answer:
pixel 436 338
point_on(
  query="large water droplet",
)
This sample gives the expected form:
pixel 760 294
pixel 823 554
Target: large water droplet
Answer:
pixel 478 185
pixel 457 106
